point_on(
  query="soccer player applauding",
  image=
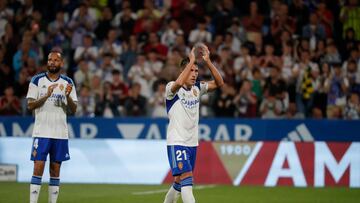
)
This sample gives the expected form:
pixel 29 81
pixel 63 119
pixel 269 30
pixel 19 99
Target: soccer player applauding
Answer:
pixel 50 95
pixel 182 105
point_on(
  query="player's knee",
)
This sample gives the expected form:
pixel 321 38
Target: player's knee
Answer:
pixel 186 179
pixel 39 168
pixel 54 169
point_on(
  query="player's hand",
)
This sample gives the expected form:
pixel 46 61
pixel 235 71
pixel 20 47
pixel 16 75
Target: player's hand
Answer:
pixel 51 89
pixel 206 54
pixel 192 54
pixel 68 89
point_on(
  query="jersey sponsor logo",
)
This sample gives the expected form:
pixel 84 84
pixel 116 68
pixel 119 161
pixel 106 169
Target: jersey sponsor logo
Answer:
pixel 190 104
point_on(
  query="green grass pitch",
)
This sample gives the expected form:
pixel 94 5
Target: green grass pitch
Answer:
pixel 99 193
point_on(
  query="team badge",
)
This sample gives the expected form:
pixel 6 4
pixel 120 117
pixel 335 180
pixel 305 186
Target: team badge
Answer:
pixel 180 165
pixel 34 153
pixel 61 87
pixel 195 92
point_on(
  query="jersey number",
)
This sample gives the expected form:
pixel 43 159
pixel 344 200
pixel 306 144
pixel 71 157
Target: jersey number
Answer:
pixel 179 153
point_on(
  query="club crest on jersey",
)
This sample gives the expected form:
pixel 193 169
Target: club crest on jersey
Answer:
pixel 34 153
pixel 180 165
pixel 61 87
pixel 44 86
pixel 195 92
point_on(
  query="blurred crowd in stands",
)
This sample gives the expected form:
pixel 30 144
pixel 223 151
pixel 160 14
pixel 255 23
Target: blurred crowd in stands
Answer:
pixel 280 59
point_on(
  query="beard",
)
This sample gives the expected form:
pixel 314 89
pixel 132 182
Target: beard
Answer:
pixel 53 69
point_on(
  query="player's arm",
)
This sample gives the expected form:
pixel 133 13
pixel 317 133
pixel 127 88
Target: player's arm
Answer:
pixel 36 103
pixel 180 81
pixel 71 103
pixel 218 80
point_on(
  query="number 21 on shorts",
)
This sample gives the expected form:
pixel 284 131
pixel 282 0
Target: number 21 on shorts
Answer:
pixel 180 155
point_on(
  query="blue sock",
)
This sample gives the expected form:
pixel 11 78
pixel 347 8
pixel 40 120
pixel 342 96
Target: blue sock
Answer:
pixel 36 180
pixel 54 181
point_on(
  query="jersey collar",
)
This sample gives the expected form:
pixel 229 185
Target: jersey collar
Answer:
pixel 46 74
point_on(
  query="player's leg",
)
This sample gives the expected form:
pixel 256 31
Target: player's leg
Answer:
pixel 40 149
pixel 173 194
pixel 186 180
pixel 54 181
pixel 59 152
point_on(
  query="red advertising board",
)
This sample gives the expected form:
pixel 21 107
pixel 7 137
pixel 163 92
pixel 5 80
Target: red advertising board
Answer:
pixel 300 164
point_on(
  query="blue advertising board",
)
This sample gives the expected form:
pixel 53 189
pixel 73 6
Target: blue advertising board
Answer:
pixel 209 129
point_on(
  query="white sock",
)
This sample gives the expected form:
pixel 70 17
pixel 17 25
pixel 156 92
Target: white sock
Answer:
pixel 53 193
pixel 34 193
pixel 172 195
pixel 187 194
pixel 54 189
pixel 35 187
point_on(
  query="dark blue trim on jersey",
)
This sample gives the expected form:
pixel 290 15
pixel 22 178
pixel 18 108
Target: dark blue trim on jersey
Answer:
pixel 69 80
pixel 51 79
pixel 36 78
pixel 197 84
pixel 171 102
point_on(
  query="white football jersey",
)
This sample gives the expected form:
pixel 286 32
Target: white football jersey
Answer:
pixel 183 112
pixel 50 118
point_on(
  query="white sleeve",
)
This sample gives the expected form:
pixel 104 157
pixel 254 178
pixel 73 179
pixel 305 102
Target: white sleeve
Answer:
pixel 203 87
pixel 33 91
pixel 168 94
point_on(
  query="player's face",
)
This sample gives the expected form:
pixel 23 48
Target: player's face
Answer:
pixel 54 62
pixel 193 76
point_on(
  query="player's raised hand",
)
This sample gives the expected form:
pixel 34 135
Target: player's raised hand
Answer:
pixel 68 89
pixel 51 89
pixel 206 54
pixel 192 54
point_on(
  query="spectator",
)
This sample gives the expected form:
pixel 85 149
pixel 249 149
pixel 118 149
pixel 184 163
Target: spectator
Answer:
pixel 87 52
pixel 81 23
pixel 326 18
pixel 104 25
pixel 293 113
pixel 349 16
pixel 111 45
pixel 125 20
pixel 86 103
pixel 352 109
pixel 118 87
pixel 253 23
pixel 9 103
pixel 141 73
pixel 337 88
pixel 21 57
pixel 83 75
pixel 200 34
pixel 270 107
pixel 107 65
pixel 135 104
pixel 245 101
pixel 314 30
pixel 157 102
pixel 168 38
pixel 108 105
pixel 154 44
pixel 224 106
